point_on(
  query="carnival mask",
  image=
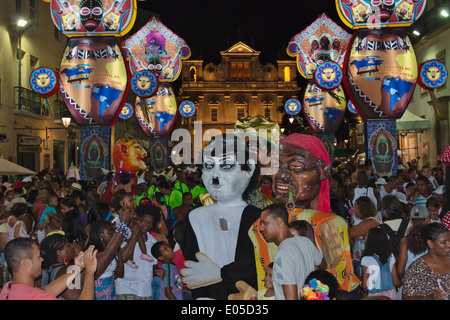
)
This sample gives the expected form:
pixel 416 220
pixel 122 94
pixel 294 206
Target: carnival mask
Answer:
pixel 91 14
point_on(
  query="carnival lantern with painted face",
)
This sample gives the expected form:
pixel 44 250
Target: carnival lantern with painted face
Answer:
pixel 93 79
pixel 381 72
pixel 380 68
pixel 320 50
pixel 155 50
pixel 93 73
pixel 44 81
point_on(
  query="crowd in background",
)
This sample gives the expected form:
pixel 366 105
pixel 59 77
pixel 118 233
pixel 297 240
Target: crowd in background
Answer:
pixel 399 223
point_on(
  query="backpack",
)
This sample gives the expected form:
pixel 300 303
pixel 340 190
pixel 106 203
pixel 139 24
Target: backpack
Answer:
pixel 395 236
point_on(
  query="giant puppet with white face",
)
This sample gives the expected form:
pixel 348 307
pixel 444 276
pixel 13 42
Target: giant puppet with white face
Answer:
pixel 216 244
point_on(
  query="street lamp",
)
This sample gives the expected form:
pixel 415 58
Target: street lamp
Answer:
pixel 66 121
pixel 22 23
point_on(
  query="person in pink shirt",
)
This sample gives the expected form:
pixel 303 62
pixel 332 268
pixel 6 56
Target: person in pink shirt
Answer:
pixel 23 258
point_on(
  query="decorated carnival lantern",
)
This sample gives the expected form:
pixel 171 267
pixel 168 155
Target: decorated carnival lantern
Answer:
pixel 320 51
pixel 93 76
pixel 156 50
pixel 432 75
pixel 93 73
pixel 380 71
pixel 44 81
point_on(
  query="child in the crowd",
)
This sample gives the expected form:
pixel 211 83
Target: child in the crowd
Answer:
pixel 320 285
pixel 170 287
pixel 433 208
pixel 9 195
pixel 268 293
pixel 15 225
pixel 427 172
pixel 302 228
pixel 379 272
pixel 266 188
pixel 48 213
pixel 125 201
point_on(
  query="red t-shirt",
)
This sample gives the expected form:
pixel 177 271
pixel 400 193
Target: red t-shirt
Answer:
pixel 24 292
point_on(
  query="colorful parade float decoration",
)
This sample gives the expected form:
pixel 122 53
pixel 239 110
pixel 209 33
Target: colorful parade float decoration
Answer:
pixel 155 50
pixel 94 78
pixel 320 50
pixel 380 71
pixel 155 56
pixel 44 81
pixel 128 155
pixel 126 113
pixel 293 107
pixel 432 75
pixel 187 109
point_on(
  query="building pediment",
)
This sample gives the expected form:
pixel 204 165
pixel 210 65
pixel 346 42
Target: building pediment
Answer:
pixel 240 48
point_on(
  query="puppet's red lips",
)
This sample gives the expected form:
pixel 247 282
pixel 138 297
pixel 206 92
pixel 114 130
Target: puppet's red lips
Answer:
pixel 90 23
pixel 384 14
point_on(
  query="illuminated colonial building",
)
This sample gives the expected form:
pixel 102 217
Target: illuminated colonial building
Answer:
pixel 239 86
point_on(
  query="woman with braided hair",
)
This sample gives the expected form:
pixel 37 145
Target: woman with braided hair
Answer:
pixel 59 255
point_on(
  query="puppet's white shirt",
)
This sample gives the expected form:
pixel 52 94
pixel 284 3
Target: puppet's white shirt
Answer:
pixel 216 227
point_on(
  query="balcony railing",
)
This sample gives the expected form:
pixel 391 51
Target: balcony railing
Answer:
pixel 28 100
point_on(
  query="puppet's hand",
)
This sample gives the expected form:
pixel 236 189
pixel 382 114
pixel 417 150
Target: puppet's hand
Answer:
pixel 246 292
pixel 202 273
pixel 331 245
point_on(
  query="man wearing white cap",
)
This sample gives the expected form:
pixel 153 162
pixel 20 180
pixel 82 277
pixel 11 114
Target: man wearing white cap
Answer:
pixel 27 184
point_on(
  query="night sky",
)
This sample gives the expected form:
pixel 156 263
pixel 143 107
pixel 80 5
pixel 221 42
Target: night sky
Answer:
pixel 267 26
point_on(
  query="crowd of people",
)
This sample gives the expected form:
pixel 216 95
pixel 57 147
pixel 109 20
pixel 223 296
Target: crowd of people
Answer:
pixel 117 236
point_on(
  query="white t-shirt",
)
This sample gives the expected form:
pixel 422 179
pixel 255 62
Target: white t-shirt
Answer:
pixel 294 261
pixel 138 281
pixel 374 270
pixel 384 193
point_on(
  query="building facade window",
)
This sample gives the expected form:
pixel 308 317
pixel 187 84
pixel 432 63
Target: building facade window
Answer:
pixel 240 71
pixel 214 112
pixel 33 62
pixel 267 106
pixel 193 74
pixel 240 112
pixel 33 13
pixel 287 74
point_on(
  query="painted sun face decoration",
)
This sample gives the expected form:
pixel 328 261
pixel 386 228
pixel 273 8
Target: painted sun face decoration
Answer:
pixel 91 14
pixel 187 109
pixel 292 107
pixel 144 83
pixel 328 76
pixel 44 81
pixel 434 73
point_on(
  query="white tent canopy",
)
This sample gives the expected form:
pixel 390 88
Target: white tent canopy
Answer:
pixel 10 168
pixel 410 122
